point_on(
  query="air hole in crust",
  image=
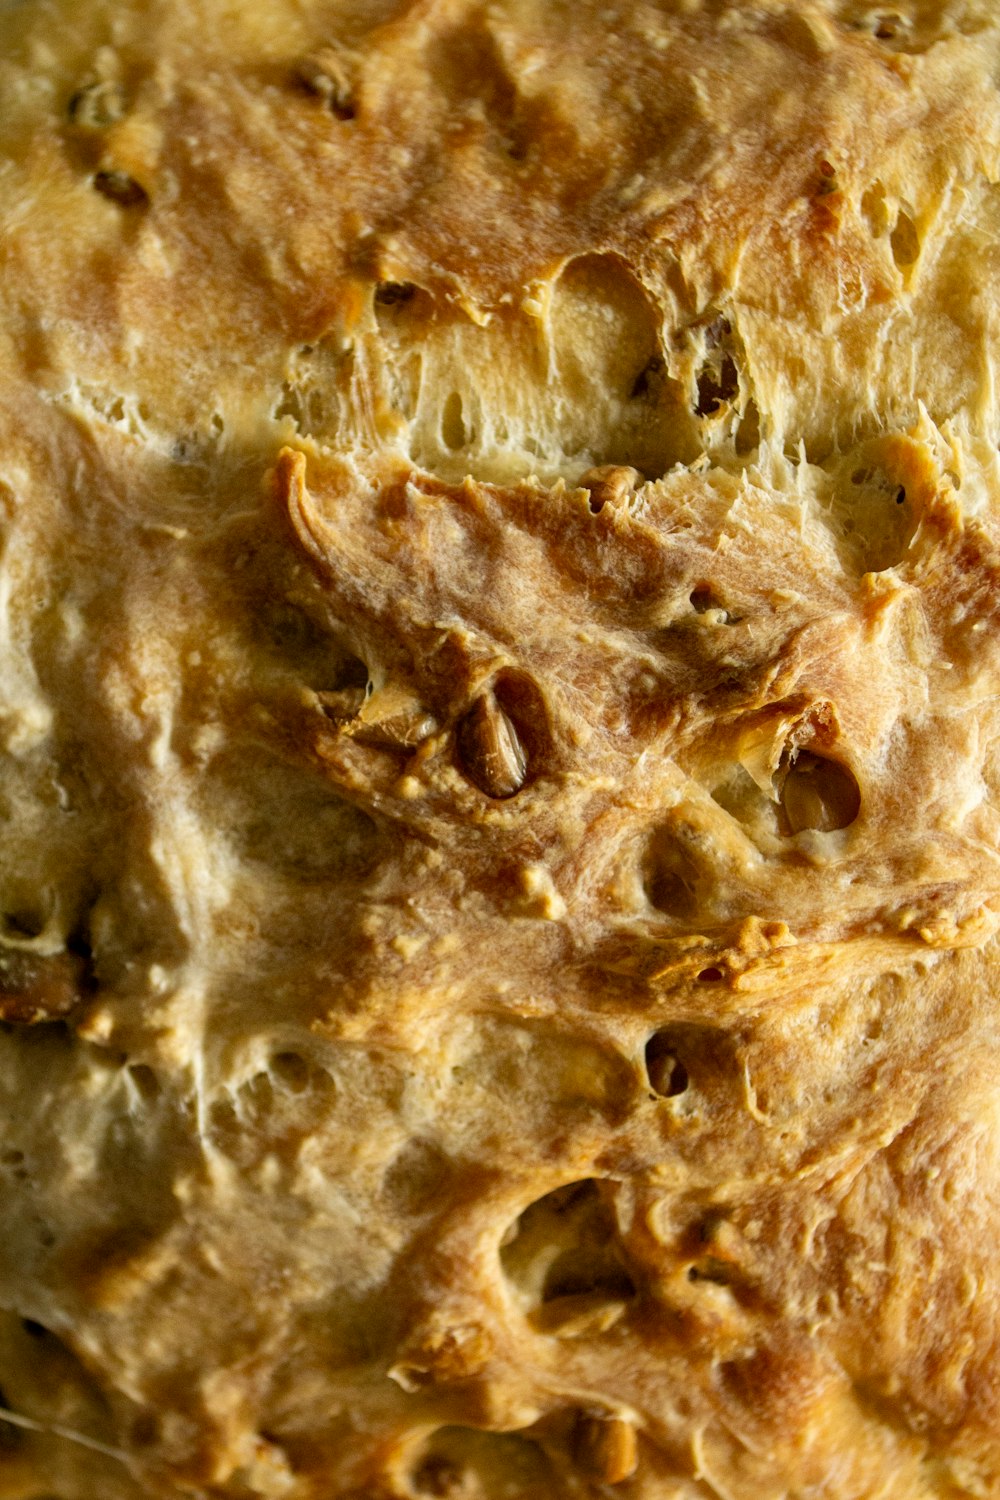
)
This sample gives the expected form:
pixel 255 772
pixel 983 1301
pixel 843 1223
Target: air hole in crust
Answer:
pixel 711 975
pixel 667 1074
pixel 714 1271
pixel 466 1463
pixel 342 698
pixel 327 75
pixel 905 241
pixel 291 1071
pixel 748 432
pixel 705 601
pixel 649 379
pixel 670 876
pixel 818 794
pixel 888 26
pixel 10 1436
pixel 39 988
pixel 24 922
pixel 416 1178
pixel 392 293
pixel 564 1259
pixel 453 430
pixel 717 386
pixel 876 519
pixel 145 1081
pixel 119 188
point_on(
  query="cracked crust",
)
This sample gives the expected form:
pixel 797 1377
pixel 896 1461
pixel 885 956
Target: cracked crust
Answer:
pixel 498 723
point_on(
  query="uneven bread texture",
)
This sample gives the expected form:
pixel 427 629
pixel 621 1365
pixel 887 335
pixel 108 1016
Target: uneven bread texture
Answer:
pixel 500 791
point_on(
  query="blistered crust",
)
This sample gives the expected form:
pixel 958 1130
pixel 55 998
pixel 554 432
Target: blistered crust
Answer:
pixel 498 722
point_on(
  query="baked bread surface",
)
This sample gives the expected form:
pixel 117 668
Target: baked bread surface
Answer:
pixel 498 750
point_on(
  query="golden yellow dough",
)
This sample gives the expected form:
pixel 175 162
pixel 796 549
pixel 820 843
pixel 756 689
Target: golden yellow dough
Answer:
pixel 499 749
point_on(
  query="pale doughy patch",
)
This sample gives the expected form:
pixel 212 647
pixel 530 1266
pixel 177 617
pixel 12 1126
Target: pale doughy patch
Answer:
pixel 499 788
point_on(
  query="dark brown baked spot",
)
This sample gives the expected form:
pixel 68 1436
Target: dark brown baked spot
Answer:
pixel 145 1430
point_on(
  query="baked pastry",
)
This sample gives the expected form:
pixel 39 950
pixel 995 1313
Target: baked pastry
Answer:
pixel 500 777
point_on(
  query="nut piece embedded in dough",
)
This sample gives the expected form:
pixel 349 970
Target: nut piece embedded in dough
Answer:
pixel 605 1448
pixel 489 749
pixel 610 484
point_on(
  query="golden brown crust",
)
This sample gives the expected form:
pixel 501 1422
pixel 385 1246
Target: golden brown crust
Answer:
pixel 498 722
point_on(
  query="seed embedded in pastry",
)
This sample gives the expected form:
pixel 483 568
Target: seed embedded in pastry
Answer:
pixel 610 484
pixel 605 1448
pixel 490 749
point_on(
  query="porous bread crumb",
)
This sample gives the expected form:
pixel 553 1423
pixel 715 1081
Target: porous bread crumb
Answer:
pixel 499 521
